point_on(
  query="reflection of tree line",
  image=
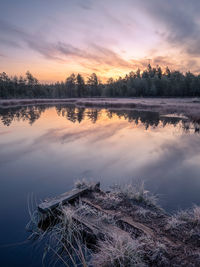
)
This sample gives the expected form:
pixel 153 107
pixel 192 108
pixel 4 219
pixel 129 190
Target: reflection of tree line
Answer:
pixel 30 114
pixel 74 114
pixel 78 114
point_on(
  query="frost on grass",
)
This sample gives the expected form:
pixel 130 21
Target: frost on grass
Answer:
pixel 66 240
pixel 83 211
pixel 63 239
pixel 190 216
pixel 118 251
pixel 155 252
pixel 186 225
pixel 136 193
pixel 109 201
pixel 81 183
pixel 145 213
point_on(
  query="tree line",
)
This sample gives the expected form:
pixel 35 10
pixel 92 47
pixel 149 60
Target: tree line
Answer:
pixel 152 82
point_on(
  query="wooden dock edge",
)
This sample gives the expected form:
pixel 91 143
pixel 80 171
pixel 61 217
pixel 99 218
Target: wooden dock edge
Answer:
pixel 50 205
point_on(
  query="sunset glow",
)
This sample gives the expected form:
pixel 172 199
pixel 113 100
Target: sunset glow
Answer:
pixel 52 39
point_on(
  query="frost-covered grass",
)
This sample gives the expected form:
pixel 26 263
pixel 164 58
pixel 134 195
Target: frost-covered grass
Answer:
pixel 118 251
pixel 109 201
pixel 121 251
pixel 34 101
pixel 154 251
pixel 190 216
pixel 136 193
pixel 63 240
pixel 144 213
pixel 196 214
pixel 158 255
pixel 81 183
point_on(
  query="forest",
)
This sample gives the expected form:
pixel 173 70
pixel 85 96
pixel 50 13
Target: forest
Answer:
pixel 151 82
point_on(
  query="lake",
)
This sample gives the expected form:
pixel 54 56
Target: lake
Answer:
pixel 45 149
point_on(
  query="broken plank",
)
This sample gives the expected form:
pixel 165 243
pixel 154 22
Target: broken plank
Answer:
pixel 97 207
pixel 93 227
pixel 88 224
pixel 141 227
pixel 122 219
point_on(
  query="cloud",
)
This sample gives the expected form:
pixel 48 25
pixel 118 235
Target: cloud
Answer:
pixel 11 35
pixel 86 4
pixel 161 60
pixel 96 39
pixel 8 42
pixel 61 51
pixel 180 20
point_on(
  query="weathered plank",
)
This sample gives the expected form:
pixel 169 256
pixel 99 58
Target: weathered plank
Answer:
pixel 49 205
pixel 98 230
pixel 52 204
pixel 88 225
pixel 141 227
pixel 97 207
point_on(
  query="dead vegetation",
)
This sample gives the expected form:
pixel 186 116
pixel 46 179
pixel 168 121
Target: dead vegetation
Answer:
pixel 186 225
pixel 118 251
pixel 122 227
pixel 136 193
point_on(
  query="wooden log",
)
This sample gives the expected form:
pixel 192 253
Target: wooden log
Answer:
pixel 48 206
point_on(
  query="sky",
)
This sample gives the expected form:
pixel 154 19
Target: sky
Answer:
pixel 53 39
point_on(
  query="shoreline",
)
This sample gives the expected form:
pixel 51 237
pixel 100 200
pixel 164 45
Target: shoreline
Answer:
pixel 188 107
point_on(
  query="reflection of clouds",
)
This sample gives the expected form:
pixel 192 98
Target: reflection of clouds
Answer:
pixel 15 150
pixel 5 132
pixel 18 149
pixel 11 145
pixel 95 134
pixel 171 156
pixel 173 172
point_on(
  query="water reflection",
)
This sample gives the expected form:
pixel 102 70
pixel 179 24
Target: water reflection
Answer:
pixel 74 114
pixel 30 114
pixel 44 149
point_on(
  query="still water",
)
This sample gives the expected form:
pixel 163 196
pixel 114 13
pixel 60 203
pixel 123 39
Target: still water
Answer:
pixel 43 150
